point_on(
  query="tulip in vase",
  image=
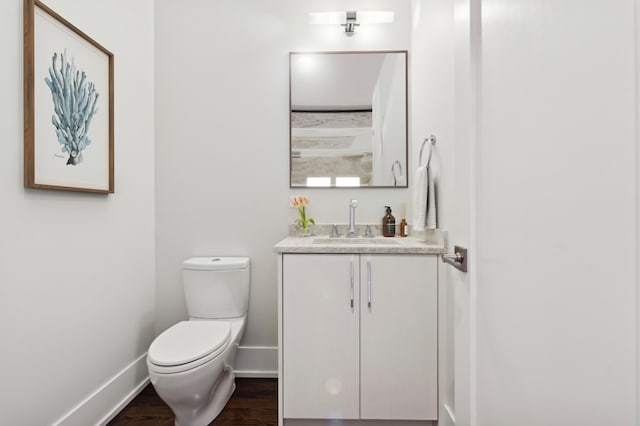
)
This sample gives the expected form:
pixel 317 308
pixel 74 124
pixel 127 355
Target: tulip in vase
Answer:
pixel 303 222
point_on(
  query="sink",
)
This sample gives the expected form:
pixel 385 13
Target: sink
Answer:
pixel 360 241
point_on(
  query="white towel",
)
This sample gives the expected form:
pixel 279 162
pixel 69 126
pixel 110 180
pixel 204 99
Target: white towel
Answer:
pixel 431 200
pixel 420 198
pixel 424 200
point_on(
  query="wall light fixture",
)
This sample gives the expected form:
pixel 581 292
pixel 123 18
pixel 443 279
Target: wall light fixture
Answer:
pixel 351 19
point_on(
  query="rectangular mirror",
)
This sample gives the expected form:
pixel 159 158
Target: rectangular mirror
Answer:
pixel 348 119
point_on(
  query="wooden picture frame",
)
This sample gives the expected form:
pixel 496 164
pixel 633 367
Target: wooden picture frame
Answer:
pixel 68 105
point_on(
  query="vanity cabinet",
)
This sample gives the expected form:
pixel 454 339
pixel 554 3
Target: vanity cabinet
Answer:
pixel 358 336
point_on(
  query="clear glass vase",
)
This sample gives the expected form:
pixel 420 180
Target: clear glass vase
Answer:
pixel 305 231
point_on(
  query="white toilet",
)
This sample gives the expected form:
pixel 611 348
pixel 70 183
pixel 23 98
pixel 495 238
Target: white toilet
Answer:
pixel 191 363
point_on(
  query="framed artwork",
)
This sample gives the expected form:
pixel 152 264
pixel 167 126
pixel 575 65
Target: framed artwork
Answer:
pixel 68 105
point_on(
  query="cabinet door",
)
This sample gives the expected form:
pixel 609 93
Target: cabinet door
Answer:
pixel 399 337
pixel 320 336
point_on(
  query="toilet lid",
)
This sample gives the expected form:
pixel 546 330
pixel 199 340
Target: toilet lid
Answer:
pixel 188 341
pixel 216 263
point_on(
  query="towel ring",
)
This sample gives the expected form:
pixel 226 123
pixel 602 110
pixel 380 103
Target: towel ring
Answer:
pixel 431 139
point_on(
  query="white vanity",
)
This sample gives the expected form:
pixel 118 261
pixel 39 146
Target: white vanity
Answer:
pixel 358 331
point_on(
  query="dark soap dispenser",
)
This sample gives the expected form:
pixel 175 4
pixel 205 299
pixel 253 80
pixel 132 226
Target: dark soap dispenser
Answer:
pixel 388 223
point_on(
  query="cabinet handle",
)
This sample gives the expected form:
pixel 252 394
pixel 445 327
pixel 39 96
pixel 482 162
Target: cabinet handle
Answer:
pixel 351 280
pixel 369 282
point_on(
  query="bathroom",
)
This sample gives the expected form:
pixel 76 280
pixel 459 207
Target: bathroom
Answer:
pixel 539 165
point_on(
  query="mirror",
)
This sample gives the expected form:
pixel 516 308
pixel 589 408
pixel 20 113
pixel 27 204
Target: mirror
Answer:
pixel 348 119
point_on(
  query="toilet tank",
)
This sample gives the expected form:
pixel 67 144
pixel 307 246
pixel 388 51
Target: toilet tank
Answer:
pixel 216 287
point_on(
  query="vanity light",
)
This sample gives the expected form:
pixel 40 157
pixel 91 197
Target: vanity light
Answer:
pixel 351 19
pixel 318 181
pixel 347 181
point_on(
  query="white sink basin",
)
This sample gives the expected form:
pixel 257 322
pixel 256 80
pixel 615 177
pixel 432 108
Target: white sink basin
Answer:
pixel 359 241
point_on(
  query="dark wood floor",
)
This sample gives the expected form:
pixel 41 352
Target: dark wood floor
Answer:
pixel 254 403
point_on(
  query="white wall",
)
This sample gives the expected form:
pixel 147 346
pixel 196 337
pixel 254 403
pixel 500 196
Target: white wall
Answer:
pixel 222 127
pixel 77 270
pixel 557 214
pixel 637 209
pixel 432 112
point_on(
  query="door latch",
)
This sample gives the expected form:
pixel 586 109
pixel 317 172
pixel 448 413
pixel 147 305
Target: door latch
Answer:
pixel 458 259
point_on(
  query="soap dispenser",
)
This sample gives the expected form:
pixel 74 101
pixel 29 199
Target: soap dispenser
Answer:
pixel 388 223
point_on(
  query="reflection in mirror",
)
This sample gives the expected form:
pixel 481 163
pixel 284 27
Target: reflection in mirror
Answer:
pixel 348 119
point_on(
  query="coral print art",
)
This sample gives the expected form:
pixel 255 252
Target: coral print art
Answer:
pixel 74 101
pixel 68 106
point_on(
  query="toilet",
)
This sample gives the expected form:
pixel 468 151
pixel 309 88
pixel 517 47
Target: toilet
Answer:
pixel 191 363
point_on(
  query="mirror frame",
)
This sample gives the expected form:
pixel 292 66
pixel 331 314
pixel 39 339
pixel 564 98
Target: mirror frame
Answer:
pixel 406 118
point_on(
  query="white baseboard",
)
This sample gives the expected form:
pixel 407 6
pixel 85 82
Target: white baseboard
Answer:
pixel 256 361
pixel 450 418
pixel 349 422
pixel 127 399
pixel 107 401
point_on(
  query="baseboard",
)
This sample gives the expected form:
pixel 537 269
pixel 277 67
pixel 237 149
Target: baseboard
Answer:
pixel 450 418
pixel 107 401
pixel 127 399
pixel 347 422
pixel 256 361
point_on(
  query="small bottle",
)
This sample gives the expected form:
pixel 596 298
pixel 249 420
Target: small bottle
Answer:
pixel 403 227
pixel 388 224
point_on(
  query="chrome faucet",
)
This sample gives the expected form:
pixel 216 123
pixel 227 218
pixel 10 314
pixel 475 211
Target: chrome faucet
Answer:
pixel 352 218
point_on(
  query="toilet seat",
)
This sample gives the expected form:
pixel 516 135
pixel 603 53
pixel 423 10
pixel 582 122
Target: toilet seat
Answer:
pixel 188 344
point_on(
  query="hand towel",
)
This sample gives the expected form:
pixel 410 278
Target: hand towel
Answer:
pixel 420 198
pixel 431 199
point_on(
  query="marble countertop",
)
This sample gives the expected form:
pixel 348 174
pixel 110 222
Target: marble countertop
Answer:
pixel 378 244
